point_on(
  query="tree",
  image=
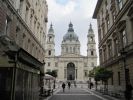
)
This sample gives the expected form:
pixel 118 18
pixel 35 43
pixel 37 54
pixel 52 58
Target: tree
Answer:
pixel 103 75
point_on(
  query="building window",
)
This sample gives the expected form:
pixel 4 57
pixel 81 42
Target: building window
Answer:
pixel 92 53
pixel 112 80
pixel 110 50
pixel 23 40
pixel 50 39
pixel 66 49
pixel 124 38
pixel 106 5
pixel 85 73
pixel 29 41
pixel 104 54
pixel 120 3
pixel 21 5
pixel 17 34
pixel 100 35
pixel 92 64
pixel 101 56
pixel 49 52
pixel 85 64
pixel 114 16
pixel 115 46
pixel 102 13
pixel 70 49
pixel 35 25
pixel 56 64
pixel 119 80
pixel 31 20
pixel 108 22
pixel 7 25
pixel 73 49
pixel 103 29
pixel 48 63
pixel 91 39
pixel 27 14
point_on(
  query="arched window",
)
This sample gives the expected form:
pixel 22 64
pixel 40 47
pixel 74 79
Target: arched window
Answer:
pixel 66 49
pixel 92 53
pixel 91 38
pixel 50 38
pixel 73 49
pixel 49 52
pixel 70 49
pixel 92 64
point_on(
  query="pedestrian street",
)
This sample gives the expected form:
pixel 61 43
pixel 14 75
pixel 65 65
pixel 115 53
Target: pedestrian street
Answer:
pixel 75 94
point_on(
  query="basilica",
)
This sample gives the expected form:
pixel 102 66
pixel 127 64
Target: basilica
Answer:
pixel 71 65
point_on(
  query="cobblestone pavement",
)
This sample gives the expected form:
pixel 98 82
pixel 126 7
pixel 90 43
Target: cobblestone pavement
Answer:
pixel 75 94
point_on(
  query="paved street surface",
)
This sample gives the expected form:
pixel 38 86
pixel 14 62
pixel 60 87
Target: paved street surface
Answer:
pixel 75 94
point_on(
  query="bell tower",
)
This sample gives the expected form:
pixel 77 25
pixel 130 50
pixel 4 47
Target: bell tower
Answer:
pixel 50 42
pixel 91 44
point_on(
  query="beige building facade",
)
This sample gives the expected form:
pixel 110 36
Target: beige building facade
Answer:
pixel 23 27
pixel 115 30
pixel 71 65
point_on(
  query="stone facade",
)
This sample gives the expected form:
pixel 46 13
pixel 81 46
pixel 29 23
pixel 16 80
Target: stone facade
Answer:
pixel 115 22
pixel 71 65
pixel 26 27
pixel 23 25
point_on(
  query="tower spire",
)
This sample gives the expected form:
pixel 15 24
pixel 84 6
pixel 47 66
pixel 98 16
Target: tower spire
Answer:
pixel 90 29
pixel 51 28
pixel 90 26
pixel 70 27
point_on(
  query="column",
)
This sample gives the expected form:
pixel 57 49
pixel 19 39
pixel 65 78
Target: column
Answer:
pixel 75 74
pixel 65 73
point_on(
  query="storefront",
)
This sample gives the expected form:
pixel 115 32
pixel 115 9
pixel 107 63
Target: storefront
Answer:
pixel 19 74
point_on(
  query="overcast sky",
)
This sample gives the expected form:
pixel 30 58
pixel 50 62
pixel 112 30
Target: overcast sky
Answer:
pixel 79 12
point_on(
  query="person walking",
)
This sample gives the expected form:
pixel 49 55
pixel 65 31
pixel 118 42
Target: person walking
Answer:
pixel 75 84
pixel 128 92
pixel 91 85
pixel 69 85
pixel 63 86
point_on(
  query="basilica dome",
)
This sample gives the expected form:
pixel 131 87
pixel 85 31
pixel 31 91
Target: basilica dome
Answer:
pixel 70 35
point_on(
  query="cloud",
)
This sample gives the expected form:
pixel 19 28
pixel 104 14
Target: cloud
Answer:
pixel 79 12
pixel 58 11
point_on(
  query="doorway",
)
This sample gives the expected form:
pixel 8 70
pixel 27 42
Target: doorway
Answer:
pixel 70 71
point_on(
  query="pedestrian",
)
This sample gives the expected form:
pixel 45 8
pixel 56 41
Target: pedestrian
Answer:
pixel 91 85
pixel 69 85
pixel 75 84
pixel 128 92
pixel 63 86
